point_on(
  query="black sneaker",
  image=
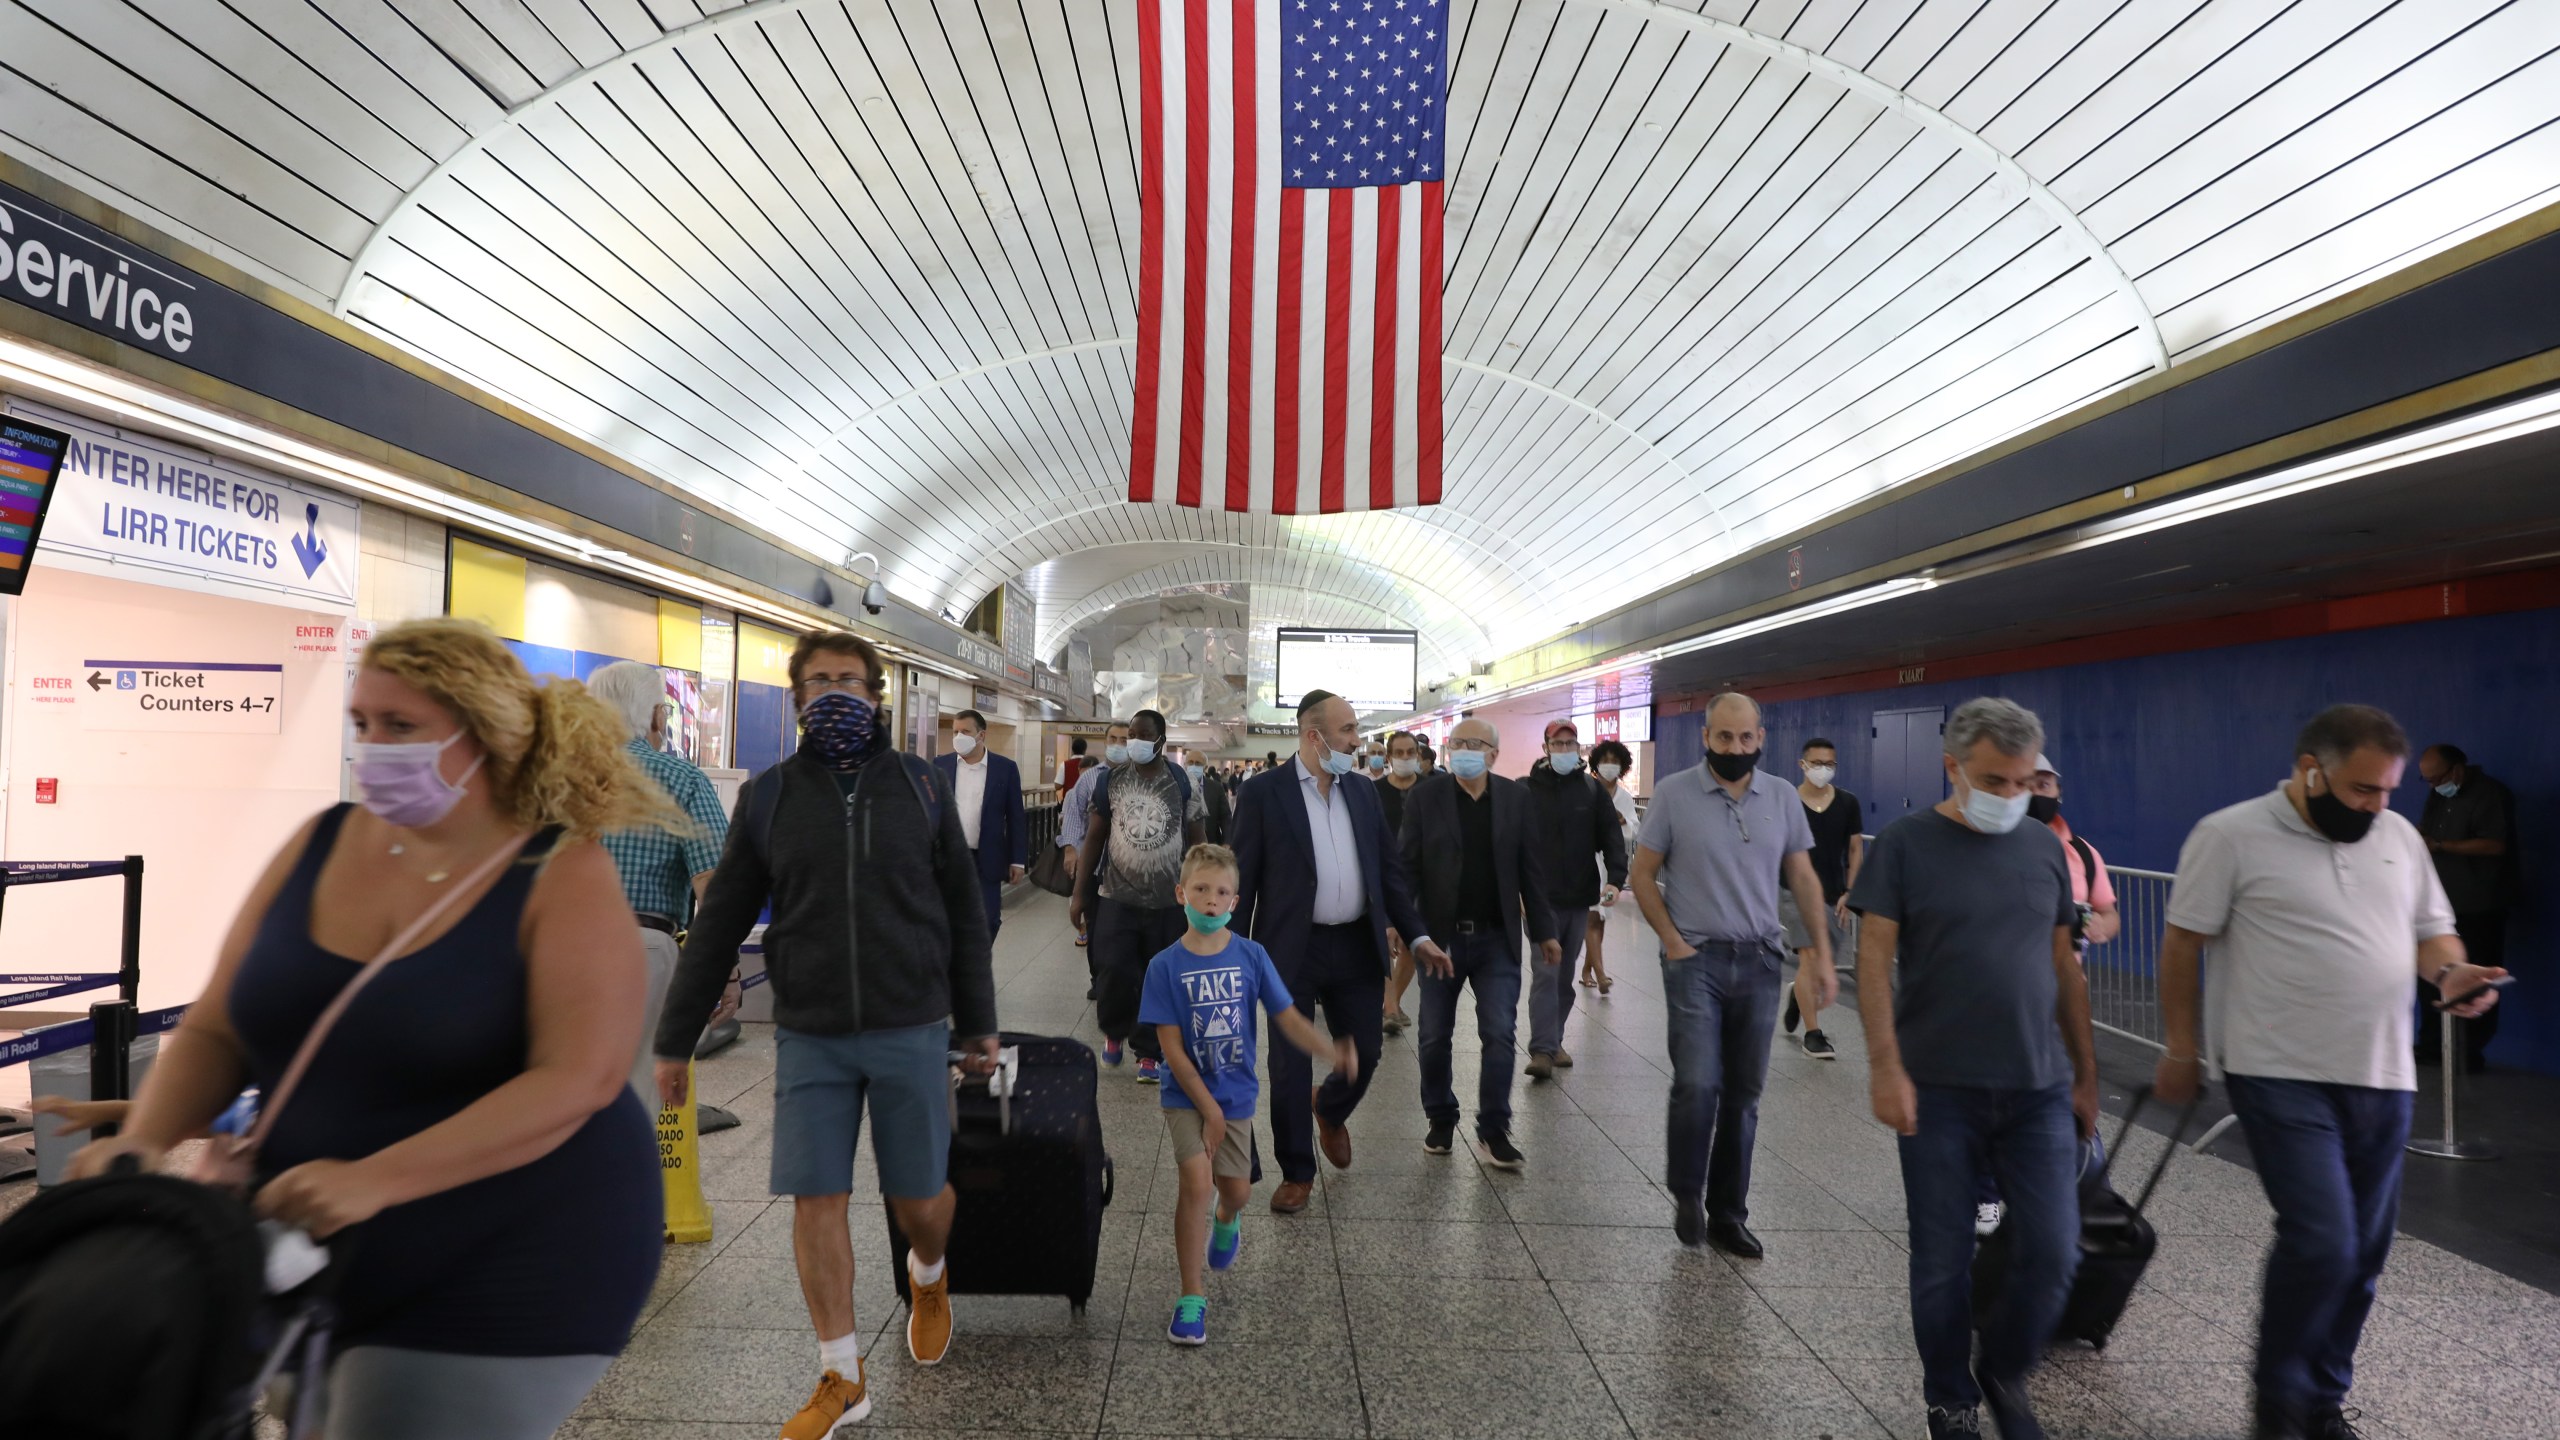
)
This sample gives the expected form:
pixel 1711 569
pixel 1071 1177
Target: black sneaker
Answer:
pixel 1689 1219
pixel 2336 1422
pixel 2007 1401
pixel 1500 1153
pixel 1964 1424
pixel 2276 1421
pixel 1441 1140
pixel 1818 1045
pixel 1793 1014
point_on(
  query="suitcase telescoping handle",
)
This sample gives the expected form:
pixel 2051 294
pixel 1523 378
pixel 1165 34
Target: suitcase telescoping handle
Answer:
pixel 2124 1132
pixel 1001 1083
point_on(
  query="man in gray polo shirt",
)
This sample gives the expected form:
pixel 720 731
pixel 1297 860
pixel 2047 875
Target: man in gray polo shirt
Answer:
pixel 1717 843
pixel 2320 905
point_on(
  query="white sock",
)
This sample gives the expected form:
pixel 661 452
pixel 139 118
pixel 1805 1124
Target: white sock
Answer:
pixel 924 1274
pixel 843 1354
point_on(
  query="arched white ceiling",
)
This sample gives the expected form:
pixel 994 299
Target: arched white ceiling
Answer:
pixel 860 271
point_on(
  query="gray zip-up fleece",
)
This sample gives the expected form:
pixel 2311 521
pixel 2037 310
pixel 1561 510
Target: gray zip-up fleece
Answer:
pixel 877 924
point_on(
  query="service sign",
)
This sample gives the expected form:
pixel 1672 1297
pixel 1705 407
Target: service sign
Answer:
pixel 203 696
pixel 124 497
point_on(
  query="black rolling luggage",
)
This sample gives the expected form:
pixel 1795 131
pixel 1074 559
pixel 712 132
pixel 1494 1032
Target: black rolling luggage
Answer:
pixel 1031 1176
pixel 2116 1244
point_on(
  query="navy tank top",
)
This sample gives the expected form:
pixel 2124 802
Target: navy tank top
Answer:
pixel 555 1257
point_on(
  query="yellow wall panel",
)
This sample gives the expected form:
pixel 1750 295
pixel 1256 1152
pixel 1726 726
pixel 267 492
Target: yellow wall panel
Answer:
pixel 573 610
pixel 488 586
pixel 680 635
pixel 764 656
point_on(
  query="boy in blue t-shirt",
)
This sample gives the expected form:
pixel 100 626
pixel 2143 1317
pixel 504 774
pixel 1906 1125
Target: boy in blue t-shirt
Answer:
pixel 1200 995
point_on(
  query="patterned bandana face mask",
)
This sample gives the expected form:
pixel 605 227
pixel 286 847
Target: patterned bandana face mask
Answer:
pixel 837 728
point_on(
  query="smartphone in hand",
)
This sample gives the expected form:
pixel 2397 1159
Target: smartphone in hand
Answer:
pixel 2475 992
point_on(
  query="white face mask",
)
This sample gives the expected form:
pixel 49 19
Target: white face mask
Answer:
pixel 1609 770
pixel 1405 767
pixel 1142 752
pixel 964 743
pixel 1991 814
pixel 1819 775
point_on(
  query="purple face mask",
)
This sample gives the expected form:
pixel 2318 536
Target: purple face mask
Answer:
pixel 402 784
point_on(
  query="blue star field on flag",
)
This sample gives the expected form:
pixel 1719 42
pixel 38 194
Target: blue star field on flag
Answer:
pixel 1360 91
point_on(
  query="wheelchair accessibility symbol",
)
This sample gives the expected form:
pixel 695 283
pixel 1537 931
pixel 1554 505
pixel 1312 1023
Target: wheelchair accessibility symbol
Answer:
pixel 125 680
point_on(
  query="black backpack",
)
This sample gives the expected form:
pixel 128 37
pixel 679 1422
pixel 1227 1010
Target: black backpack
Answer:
pixel 130 1309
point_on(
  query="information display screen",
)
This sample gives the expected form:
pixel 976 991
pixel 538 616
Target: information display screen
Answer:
pixel 1373 669
pixel 30 461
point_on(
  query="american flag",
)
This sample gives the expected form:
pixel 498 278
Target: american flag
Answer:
pixel 1290 159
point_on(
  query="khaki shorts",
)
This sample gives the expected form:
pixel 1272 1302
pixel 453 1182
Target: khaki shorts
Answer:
pixel 1232 1159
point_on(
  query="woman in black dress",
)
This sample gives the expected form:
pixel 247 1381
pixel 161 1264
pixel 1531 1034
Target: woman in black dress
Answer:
pixel 466 1137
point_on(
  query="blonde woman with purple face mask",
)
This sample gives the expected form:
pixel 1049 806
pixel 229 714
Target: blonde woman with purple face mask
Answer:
pixel 467 1132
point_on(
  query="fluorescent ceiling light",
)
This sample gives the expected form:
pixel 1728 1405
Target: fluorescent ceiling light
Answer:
pixel 1851 600
pixel 2491 426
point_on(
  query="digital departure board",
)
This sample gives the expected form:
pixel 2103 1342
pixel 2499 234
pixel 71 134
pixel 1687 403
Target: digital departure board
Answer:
pixel 1373 669
pixel 30 462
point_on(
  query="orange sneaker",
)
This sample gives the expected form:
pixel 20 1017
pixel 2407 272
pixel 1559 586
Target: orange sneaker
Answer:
pixel 929 1318
pixel 838 1402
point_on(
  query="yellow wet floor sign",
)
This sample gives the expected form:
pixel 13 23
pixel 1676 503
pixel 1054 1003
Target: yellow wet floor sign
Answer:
pixel 680 1164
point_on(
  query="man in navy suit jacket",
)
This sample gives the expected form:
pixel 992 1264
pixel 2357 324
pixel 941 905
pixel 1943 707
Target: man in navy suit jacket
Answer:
pixel 987 788
pixel 1320 884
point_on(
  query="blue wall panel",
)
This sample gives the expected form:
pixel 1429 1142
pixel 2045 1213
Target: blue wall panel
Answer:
pixel 764 725
pixel 545 661
pixel 2147 746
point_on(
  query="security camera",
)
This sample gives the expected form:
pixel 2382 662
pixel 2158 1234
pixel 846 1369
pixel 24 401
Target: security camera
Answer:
pixel 875 596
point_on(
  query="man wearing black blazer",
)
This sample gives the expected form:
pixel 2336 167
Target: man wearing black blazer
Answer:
pixel 1320 886
pixel 1470 840
pixel 987 789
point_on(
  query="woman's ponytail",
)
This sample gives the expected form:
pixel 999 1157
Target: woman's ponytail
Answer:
pixel 578 773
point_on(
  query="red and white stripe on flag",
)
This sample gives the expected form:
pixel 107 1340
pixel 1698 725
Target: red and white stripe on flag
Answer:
pixel 1288 336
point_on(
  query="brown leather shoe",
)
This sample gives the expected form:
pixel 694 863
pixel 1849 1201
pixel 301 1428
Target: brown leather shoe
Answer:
pixel 1291 1197
pixel 1333 1139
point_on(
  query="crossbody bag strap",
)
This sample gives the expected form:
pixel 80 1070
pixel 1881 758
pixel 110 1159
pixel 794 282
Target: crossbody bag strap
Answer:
pixel 271 1105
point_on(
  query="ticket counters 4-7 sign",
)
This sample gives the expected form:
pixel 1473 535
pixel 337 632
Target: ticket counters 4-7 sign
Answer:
pixel 205 696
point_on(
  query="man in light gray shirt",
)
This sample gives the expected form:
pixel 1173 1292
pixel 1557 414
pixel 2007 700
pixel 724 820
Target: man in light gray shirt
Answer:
pixel 2320 905
pixel 1717 843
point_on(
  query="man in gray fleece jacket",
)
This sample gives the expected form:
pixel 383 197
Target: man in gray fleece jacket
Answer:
pixel 878 956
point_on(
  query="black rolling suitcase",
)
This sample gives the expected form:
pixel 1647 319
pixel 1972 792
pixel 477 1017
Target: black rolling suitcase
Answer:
pixel 2116 1244
pixel 1030 1174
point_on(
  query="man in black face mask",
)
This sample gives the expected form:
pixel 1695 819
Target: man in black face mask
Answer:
pixel 1720 839
pixel 2320 906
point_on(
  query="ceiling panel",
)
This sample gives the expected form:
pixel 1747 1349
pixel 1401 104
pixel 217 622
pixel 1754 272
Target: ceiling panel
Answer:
pixel 861 271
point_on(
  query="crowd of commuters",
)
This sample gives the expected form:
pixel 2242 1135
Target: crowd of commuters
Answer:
pixel 499 1158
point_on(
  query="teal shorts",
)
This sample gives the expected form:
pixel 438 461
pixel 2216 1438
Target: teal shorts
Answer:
pixel 821 1084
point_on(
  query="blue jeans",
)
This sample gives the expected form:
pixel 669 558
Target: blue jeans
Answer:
pixel 1723 1015
pixel 1485 963
pixel 1551 986
pixel 2329 1157
pixel 2028 1139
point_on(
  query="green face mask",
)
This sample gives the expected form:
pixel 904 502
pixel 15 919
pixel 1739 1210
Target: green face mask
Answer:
pixel 1204 923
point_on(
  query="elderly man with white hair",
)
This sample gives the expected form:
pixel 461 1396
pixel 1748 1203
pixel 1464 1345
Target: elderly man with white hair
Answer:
pixel 662 875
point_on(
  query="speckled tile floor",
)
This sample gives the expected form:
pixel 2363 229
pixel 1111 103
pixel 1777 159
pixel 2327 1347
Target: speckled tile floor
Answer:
pixel 1429 1296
